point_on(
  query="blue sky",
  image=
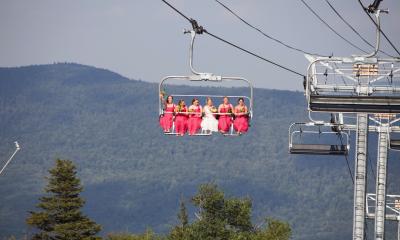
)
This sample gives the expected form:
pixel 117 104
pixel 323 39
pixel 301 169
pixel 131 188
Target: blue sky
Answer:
pixel 142 39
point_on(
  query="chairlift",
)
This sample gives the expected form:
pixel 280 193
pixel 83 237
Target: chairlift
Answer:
pixel 201 77
pixel 355 84
pixel 302 139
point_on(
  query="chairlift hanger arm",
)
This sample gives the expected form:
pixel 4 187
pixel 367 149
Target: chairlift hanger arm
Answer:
pixel 380 30
pixel 200 29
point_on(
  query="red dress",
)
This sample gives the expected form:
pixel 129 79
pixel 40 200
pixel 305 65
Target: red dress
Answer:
pixel 225 121
pixel 241 123
pixel 181 120
pixel 167 119
pixel 194 122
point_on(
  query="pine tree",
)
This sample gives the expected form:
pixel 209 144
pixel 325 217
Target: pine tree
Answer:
pixel 182 215
pixel 60 217
pixel 182 231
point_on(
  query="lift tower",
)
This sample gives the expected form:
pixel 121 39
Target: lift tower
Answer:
pixel 366 88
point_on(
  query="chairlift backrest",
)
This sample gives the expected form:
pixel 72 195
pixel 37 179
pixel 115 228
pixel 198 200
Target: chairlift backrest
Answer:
pixel 316 144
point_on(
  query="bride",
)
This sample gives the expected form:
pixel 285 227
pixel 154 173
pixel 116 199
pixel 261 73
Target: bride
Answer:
pixel 209 123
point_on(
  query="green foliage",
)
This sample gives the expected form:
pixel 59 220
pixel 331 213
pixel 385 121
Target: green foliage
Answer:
pixel 148 235
pixel 61 217
pixel 225 218
pixel 276 230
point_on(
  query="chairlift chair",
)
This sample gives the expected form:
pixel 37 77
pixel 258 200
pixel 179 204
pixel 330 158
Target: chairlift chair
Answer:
pixel 355 84
pixel 297 144
pixel 201 77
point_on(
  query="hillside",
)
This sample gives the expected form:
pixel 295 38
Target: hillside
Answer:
pixel 134 176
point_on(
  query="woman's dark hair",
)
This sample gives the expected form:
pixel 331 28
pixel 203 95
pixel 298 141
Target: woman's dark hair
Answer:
pixel 240 99
pixel 194 99
pixel 172 98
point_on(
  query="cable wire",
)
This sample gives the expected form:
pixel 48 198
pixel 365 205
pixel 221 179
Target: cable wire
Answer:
pixel 353 29
pixel 176 10
pixel 253 54
pixel 263 33
pixel 201 30
pixel 347 160
pixel 380 30
pixel 331 28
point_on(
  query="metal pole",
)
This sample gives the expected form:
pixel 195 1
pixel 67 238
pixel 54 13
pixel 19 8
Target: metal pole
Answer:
pixel 360 176
pixel 398 227
pixel 12 156
pixel 381 179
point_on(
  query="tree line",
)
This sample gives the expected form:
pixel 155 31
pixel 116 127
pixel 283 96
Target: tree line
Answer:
pixel 59 215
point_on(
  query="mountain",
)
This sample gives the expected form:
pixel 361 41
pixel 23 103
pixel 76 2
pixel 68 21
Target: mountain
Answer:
pixel 134 175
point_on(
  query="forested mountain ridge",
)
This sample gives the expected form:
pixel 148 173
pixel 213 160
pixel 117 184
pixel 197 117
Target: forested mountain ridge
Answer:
pixel 134 176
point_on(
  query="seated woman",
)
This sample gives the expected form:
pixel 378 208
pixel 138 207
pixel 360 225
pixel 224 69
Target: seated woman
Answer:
pixel 181 118
pixel 166 119
pixel 241 123
pixel 194 121
pixel 225 119
pixel 209 123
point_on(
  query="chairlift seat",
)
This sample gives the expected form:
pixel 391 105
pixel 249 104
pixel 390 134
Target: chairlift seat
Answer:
pixel 395 144
pixel 367 104
pixel 319 149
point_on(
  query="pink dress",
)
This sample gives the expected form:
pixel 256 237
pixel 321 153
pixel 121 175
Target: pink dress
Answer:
pixel 194 122
pixel 181 120
pixel 225 121
pixel 241 123
pixel 167 119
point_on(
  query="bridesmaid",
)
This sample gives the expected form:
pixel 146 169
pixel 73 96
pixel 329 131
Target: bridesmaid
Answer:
pixel 181 118
pixel 166 119
pixel 195 112
pixel 241 123
pixel 225 120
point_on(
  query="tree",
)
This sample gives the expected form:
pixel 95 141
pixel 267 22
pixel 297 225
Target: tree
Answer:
pixel 182 231
pixel 147 235
pixel 60 217
pixel 222 218
pixel 182 215
pixel 277 230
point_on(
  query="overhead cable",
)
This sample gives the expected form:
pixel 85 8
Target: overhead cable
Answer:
pixel 347 161
pixel 331 28
pixel 352 28
pixel 201 30
pixel 262 32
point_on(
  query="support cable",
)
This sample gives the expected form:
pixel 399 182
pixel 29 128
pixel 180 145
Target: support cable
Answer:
pixel 387 38
pixel 253 54
pixel 353 29
pixel 347 160
pixel 265 34
pixel 331 28
pixel 200 30
pixel 372 169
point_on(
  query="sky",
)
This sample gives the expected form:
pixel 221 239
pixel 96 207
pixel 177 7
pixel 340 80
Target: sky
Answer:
pixel 143 39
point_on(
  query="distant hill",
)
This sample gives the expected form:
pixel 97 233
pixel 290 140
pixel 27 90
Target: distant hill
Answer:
pixel 134 176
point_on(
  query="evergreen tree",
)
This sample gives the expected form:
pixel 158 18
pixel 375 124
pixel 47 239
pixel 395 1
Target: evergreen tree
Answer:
pixel 182 231
pixel 182 215
pixel 220 217
pixel 60 217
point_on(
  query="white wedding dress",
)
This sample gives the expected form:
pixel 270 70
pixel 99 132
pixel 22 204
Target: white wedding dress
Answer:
pixel 209 122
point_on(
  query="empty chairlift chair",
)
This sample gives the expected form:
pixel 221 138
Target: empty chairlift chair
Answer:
pixel 317 139
pixel 355 84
